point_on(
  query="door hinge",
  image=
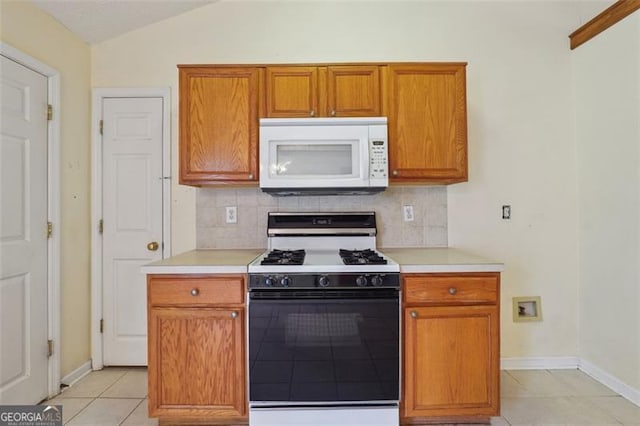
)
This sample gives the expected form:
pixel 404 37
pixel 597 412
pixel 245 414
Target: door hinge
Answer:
pixel 49 112
pixel 101 326
pixel 101 126
pixel 49 229
pixel 49 348
pixel 100 226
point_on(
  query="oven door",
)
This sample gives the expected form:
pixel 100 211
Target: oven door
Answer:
pixel 313 347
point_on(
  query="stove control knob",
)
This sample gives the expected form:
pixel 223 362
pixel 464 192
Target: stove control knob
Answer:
pixel 324 281
pixel 269 282
pixel 361 281
pixel 285 281
pixel 376 280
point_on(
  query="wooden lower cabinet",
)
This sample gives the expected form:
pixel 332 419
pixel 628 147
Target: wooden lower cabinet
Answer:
pixel 196 348
pixel 451 348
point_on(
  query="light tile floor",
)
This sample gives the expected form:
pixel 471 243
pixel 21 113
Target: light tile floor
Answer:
pixel 118 396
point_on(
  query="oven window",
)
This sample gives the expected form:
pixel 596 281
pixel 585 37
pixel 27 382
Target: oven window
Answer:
pixel 309 159
pixel 324 350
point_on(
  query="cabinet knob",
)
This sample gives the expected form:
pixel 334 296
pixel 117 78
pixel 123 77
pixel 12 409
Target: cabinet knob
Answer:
pixel 153 246
pixel 452 290
pixel 312 113
pixel 414 314
pixel 195 292
pixel 250 176
pixel 234 314
pixel 395 173
pixel 333 112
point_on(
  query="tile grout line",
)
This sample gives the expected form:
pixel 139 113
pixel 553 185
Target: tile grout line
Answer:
pixel 111 385
pixel 132 411
pixel 83 408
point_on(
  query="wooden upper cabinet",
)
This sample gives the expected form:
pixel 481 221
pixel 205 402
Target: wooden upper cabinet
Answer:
pixel 323 91
pixel 353 91
pixel 219 110
pixel 426 107
pixel 291 91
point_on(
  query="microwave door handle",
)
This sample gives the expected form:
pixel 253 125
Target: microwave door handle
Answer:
pixel 365 159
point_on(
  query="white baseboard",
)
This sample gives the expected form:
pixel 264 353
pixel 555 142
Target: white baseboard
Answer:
pixel 573 362
pixel 77 374
pixel 540 363
pixel 610 381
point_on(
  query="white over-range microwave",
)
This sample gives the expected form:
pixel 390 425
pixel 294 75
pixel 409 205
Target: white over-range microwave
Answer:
pixel 323 156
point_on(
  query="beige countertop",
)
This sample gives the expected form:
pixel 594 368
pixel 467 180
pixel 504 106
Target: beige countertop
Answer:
pixel 233 261
pixel 440 259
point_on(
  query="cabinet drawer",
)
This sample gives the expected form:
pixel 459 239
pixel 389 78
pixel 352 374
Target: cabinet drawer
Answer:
pixel 180 291
pixel 451 289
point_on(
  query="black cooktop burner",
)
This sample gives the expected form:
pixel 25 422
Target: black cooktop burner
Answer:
pixel 284 257
pixel 361 257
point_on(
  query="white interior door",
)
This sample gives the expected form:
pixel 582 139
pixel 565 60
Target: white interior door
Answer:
pixel 132 221
pixel 23 235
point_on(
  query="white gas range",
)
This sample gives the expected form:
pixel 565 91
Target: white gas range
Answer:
pixel 323 324
pixel 322 243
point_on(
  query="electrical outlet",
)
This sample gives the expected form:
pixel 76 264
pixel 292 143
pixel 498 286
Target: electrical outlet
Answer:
pixel 506 212
pixel 408 213
pixel 232 214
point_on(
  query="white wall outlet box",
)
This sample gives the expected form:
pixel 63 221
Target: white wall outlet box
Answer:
pixel 232 214
pixel 527 309
pixel 407 212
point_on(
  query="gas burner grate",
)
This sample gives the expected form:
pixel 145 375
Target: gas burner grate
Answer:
pixel 284 257
pixel 361 257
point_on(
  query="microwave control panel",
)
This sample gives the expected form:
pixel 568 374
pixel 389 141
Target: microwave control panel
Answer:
pixel 378 167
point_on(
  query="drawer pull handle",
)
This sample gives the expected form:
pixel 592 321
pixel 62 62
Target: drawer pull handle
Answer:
pixel 234 314
pixel 195 292
pixel 414 314
pixel 452 290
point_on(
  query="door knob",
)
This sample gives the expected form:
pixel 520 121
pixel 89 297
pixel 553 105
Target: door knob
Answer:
pixel 153 246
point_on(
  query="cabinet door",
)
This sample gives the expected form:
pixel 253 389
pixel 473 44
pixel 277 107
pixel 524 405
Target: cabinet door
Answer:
pixel 218 125
pixel 451 361
pixel 427 123
pixel 292 91
pixel 353 91
pixel 196 362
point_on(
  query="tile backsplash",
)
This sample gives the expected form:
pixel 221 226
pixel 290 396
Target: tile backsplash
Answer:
pixel 428 229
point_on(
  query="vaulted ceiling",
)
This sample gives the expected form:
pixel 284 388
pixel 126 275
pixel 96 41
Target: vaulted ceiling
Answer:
pixel 98 20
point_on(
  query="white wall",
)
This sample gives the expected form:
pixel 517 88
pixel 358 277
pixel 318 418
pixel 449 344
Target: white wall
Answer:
pixel 607 98
pixel 37 34
pixel 521 140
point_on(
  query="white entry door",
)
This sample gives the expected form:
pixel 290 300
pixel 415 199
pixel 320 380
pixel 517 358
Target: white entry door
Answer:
pixel 23 235
pixel 132 212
